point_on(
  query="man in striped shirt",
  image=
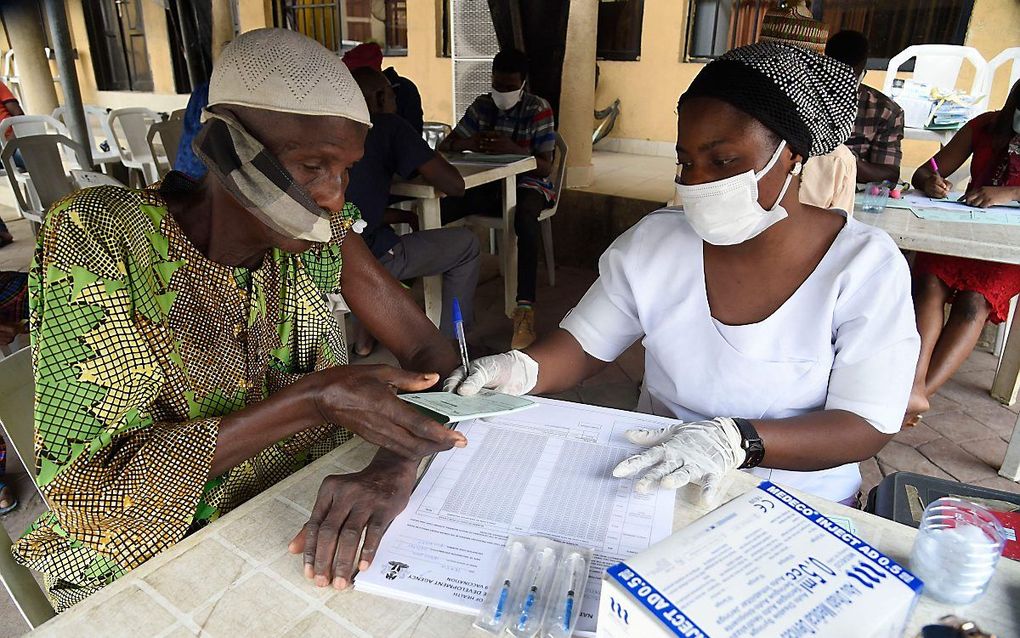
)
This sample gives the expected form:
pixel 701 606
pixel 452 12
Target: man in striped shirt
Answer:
pixel 509 120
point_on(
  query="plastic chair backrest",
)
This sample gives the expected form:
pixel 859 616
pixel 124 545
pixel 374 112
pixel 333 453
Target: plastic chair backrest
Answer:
pixel 559 172
pixel 25 125
pixel 10 68
pixel 17 386
pixel 169 132
pixel 96 119
pixel 134 122
pixel 1011 55
pixel 43 163
pixel 938 65
pixel 435 132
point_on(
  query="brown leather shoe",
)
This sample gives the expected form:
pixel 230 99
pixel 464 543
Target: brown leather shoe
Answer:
pixel 524 328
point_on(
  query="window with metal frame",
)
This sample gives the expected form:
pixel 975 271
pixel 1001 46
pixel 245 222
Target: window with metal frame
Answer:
pixel 619 30
pixel 716 26
pixel 116 34
pixel 341 25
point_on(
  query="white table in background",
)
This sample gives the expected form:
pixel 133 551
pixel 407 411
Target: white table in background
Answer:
pixel 474 174
pixel 988 242
pixel 235 577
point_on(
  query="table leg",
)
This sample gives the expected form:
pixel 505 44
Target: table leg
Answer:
pixel 509 244
pixel 1007 377
pixel 429 219
pixel 1011 464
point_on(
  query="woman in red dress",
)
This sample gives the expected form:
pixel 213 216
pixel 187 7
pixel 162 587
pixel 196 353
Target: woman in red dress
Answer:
pixel 979 291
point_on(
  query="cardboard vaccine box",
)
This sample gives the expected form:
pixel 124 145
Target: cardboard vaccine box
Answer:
pixel 764 565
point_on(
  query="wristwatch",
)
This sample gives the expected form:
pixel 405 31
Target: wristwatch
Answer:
pixel 751 443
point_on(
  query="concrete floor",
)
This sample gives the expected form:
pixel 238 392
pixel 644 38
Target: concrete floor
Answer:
pixel 963 437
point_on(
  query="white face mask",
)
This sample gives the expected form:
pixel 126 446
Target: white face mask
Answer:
pixel 506 100
pixel 727 212
pixel 1016 121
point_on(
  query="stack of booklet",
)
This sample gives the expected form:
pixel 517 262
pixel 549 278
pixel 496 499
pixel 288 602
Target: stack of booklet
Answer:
pixel 544 470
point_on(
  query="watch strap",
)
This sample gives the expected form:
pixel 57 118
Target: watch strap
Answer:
pixel 751 443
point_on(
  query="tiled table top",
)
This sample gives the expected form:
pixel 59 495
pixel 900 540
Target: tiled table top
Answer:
pixel 235 577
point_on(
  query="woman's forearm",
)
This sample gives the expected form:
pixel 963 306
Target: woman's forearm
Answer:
pixel 818 440
pixel 562 362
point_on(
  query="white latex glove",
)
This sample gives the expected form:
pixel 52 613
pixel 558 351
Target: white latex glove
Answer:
pixel 701 452
pixel 510 373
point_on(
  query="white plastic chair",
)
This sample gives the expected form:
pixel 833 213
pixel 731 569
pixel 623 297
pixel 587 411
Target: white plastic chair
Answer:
pixel 1007 56
pixel 17 386
pixel 21 180
pixel 938 65
pixel 25 125
pixel 130 128
pixel 50 179
pixel 96 119
pixel 435 132
pixel 495 224
pixel 9 74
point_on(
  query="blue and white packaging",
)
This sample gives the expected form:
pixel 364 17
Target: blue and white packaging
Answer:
pixel 764 565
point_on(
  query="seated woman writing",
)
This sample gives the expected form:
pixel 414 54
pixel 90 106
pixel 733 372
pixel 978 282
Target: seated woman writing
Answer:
pixel 979 291
pixel 780 333
pixel 185 356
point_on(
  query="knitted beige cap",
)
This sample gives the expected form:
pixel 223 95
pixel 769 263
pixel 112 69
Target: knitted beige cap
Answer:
pixel 285 71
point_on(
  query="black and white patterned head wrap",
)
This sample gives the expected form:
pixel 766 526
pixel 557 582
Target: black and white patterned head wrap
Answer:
pixel 808 99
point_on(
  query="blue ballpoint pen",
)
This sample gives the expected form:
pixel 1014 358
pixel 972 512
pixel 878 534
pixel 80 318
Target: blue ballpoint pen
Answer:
pixel 458 329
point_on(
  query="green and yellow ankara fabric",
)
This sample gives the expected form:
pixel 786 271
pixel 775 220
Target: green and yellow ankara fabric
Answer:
pixel 140 345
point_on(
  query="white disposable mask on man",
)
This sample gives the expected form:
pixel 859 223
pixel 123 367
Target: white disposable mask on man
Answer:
pixel 506 100
pixel 726 212
pixel 1016 121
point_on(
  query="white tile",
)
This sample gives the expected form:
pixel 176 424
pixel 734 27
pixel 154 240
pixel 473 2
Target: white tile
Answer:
pixel 265 531
pixel 377 616
pixel 129 614
pixel 259 606
pixel 189 587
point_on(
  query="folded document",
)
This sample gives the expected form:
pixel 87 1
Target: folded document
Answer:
pixel 448 407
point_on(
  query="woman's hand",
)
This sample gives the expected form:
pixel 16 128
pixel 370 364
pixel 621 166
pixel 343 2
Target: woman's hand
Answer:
pixel 512 372
pixel 936 186
pixel 363 400
pixel 986 196
pixel 700 452
pixel 347 506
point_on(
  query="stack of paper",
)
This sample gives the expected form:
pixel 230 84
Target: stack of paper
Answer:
pixel 545 472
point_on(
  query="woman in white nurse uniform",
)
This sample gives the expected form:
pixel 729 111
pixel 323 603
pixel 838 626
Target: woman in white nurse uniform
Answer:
pixel 780 334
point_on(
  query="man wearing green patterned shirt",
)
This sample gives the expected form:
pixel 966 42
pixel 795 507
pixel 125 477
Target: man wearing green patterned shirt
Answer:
pixel 185 357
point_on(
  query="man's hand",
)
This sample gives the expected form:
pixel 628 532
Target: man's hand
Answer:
pixel 986 196
pixel 499 144
pixel 363 400
pixel 347 506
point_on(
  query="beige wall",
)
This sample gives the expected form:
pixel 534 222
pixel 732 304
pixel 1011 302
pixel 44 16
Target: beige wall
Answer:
pixel 432 74
pixel 649 88
pixel 157 43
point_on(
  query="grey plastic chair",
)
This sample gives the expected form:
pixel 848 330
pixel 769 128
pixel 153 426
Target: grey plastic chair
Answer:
pixel 17 387
pixel 45 166
pixel 165 150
